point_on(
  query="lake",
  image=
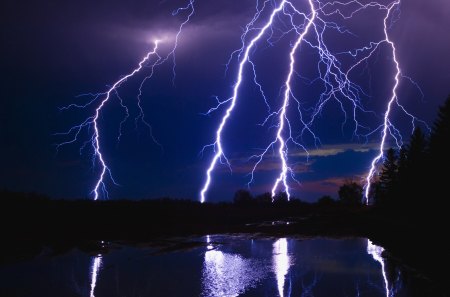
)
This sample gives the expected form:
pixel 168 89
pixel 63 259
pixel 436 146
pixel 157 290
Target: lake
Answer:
pixel 216 265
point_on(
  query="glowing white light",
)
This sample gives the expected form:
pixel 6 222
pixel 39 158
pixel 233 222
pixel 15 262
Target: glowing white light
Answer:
pixel 229 275
pixel 96 264
pixel 336 81
pixel 92 121
pixel 281 263
pixel 218 143
pixel 387 126
pixel 208 241
pixel 283 151
pixel 376 253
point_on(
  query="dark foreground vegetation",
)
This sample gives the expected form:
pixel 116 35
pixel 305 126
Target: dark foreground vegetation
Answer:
pixel 30 223
pixel 408 216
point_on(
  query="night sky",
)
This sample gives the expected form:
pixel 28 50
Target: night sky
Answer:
pixel 53 51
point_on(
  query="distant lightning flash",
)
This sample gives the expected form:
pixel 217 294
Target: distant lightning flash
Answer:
pixel 332 72
pixel 96 144
pixel 92 121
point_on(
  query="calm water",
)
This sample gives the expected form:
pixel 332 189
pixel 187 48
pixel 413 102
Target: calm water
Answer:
pixel 212 266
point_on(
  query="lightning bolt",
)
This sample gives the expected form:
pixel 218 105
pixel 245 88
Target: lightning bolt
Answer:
pixel 93 122
pixel 218 143
pixel 332 72
pixel 387 127
pixel 334 75
pixel 283 151
pixel 387 123
pixel 105 98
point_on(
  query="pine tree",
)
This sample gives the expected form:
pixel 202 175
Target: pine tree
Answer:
pixel 415 189
pixel 417 148
pixel 350 193
pixel 388 179
pixel 439 154
pixel 440 136
pixel 402 162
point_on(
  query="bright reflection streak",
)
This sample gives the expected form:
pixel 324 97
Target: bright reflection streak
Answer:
pixel 229 275
pixel 281 263
pixel 208 241
pixel 96 264
pixel 375 251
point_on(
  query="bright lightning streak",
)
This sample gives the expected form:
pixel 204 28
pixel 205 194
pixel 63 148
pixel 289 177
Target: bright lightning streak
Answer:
pixel 336 81
pixel 96 144
pixel 218 143
pixel 332 73
pixel 386 124
pixel 283 148
pixel 92 121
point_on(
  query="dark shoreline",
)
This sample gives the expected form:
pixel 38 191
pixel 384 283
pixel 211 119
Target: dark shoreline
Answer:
pixel 63 225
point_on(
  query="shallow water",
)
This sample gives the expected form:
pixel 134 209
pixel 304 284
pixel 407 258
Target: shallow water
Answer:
pixel 221 265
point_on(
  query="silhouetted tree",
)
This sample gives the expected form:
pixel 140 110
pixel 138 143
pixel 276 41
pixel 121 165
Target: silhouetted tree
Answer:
pixel 417 148
pixel 280 198
pixel 264 198
pixel 242 197
pixel 350 193
pixel 326 201
pixel 388 179
pixel 402 162
pixel 440 148
pixel 440 136
pixel 438 163
pixel 401 186
pixel 415 182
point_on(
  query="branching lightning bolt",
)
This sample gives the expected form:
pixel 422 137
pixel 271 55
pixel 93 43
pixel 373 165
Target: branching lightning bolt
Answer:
pixel 218 143
pixel 387 122
pixel 92 121
pixel 334 75
pixel 283 151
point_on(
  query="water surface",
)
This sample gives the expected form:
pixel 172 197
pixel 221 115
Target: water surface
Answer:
pixel 221 265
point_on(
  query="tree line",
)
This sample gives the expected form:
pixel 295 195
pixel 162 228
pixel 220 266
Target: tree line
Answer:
pixel 414 179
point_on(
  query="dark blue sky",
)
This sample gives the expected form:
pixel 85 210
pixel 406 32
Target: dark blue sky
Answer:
pixel 53 51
